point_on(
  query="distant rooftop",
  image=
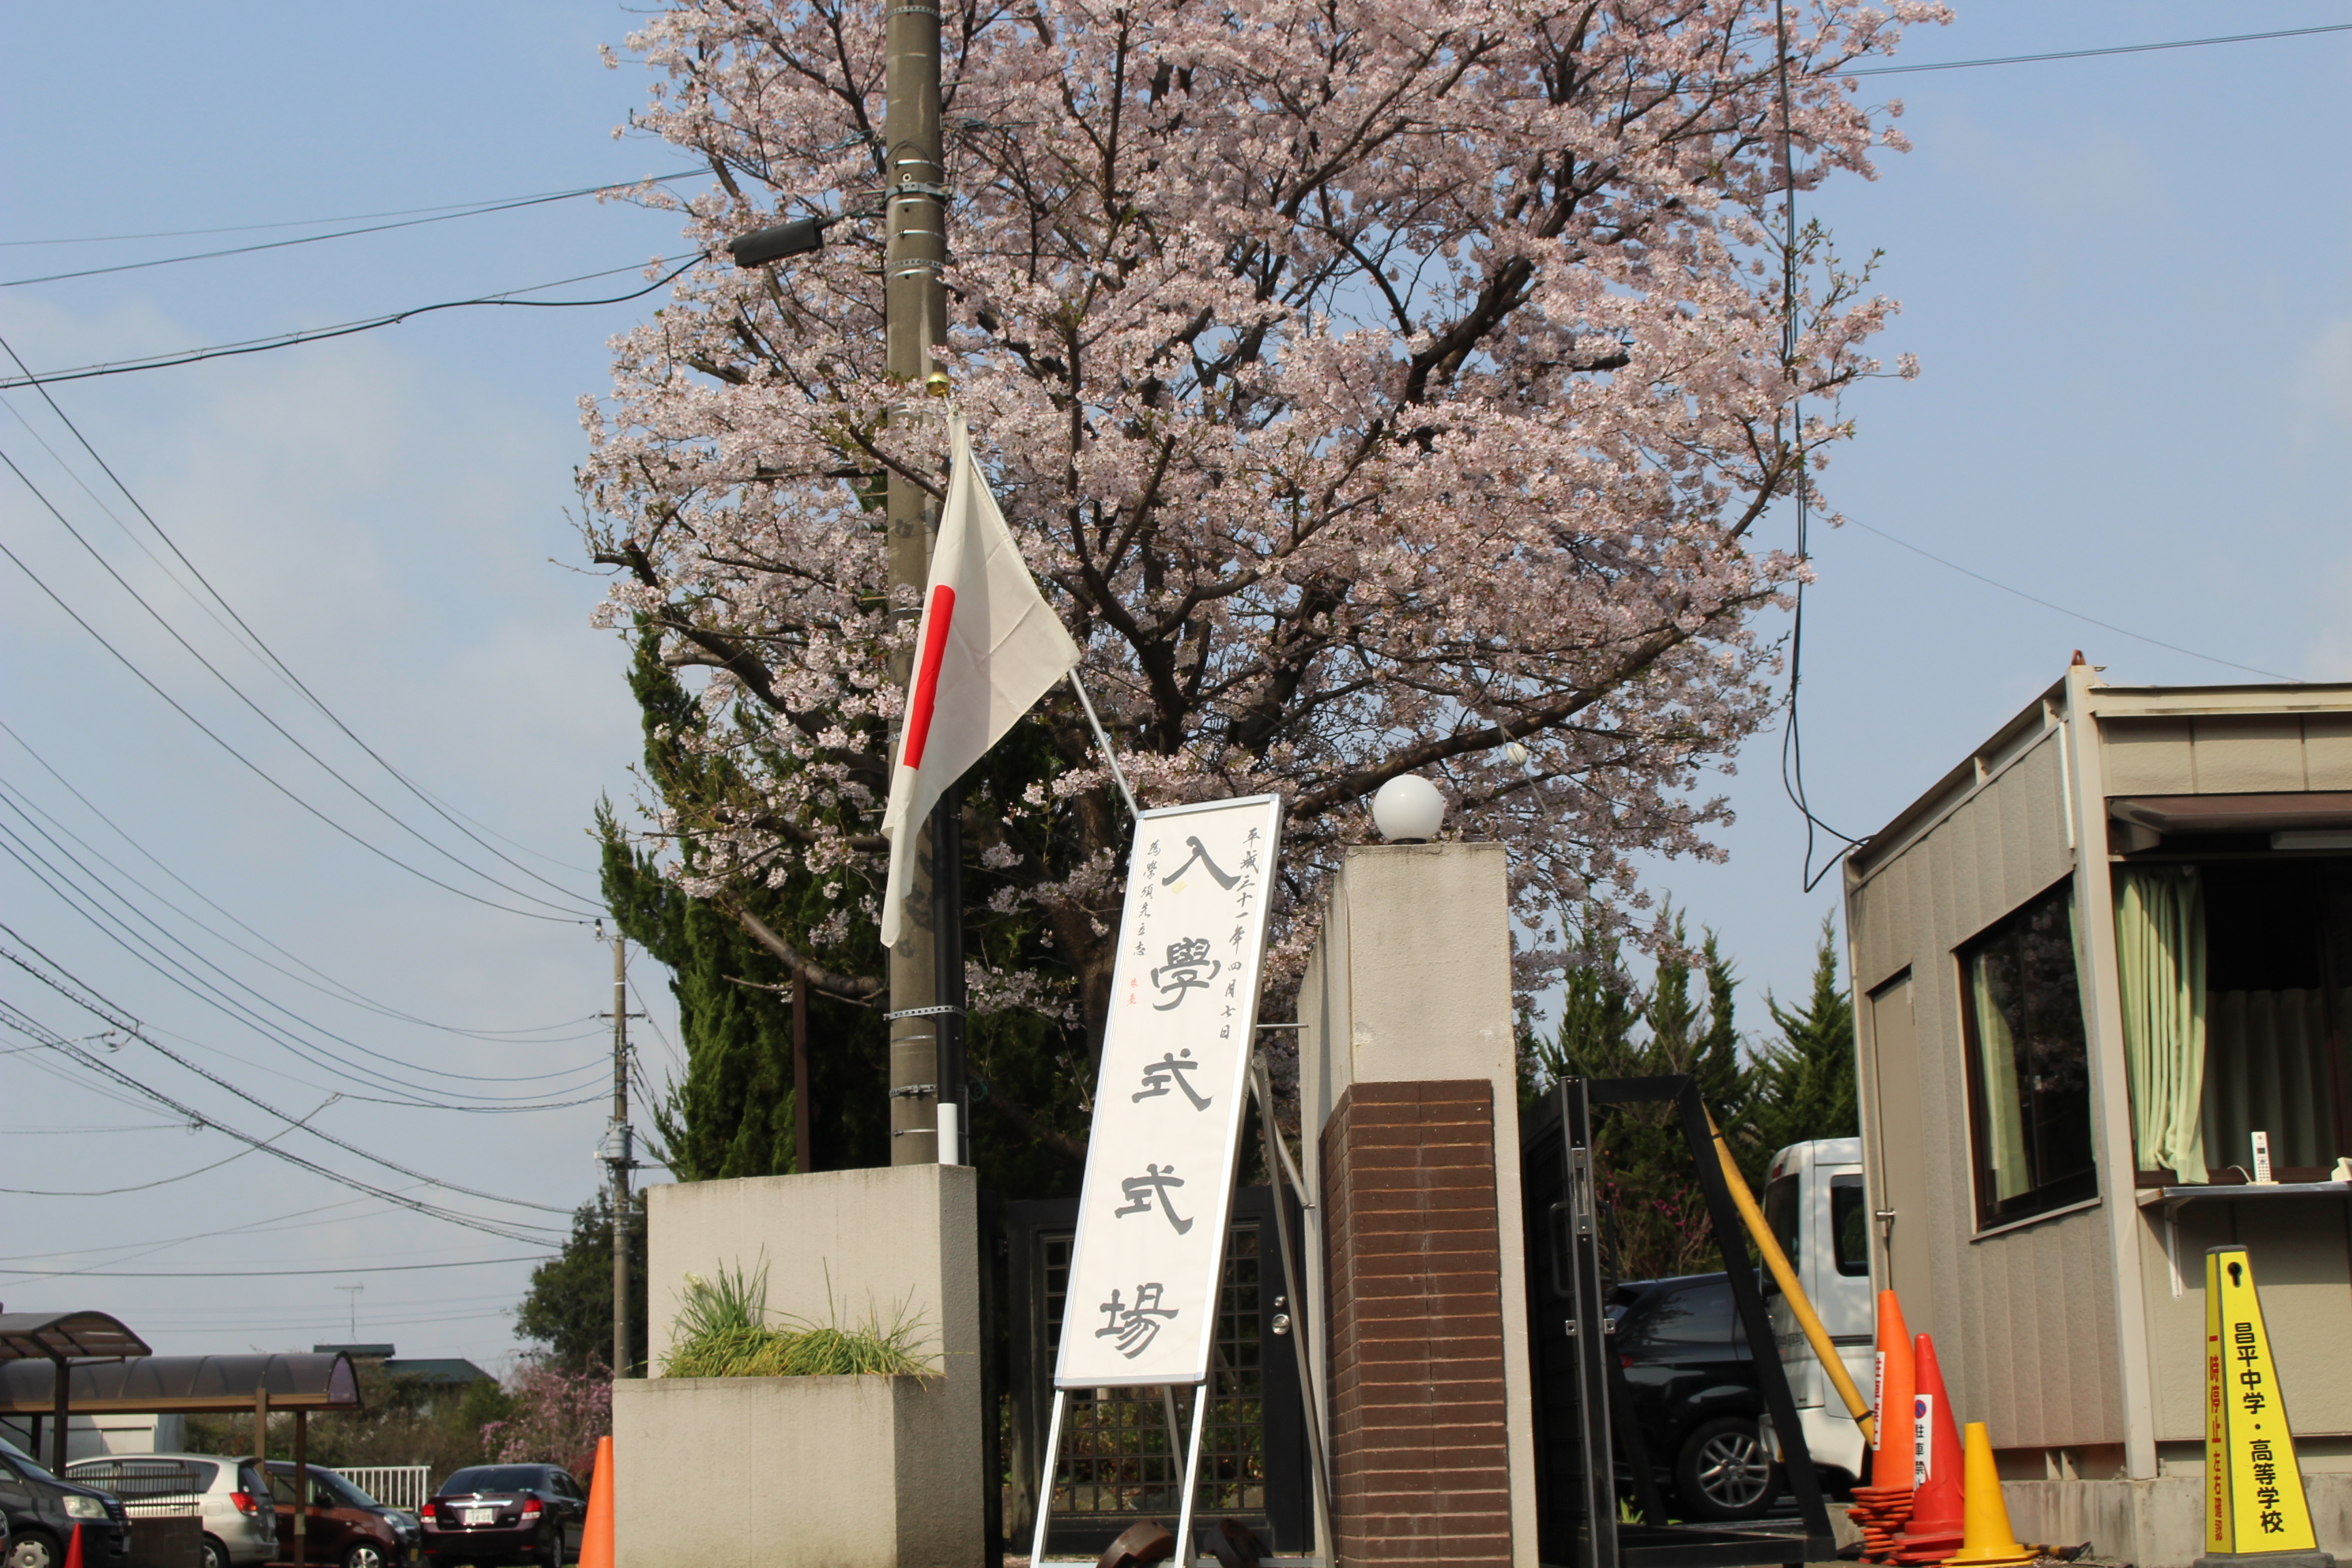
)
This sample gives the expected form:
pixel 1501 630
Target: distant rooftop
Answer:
pixel 443 1371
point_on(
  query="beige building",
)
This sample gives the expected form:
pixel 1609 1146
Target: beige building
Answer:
pixel 2090 965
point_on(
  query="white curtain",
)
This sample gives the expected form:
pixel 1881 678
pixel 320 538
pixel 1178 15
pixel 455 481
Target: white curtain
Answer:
pixel 2160 959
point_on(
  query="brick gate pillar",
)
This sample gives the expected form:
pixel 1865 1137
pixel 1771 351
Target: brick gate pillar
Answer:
pixel 1409 1092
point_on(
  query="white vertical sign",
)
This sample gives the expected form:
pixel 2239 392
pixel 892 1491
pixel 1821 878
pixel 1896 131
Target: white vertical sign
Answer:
pixel 1141 1302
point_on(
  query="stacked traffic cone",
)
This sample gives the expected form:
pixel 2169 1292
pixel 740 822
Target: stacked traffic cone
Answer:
pixel 1938 1525
pixel 1884 1506
pixel 597 1537
pixel 1990 1543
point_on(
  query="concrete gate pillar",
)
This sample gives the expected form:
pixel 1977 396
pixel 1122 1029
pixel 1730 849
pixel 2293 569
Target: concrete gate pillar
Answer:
pixel 1408 1089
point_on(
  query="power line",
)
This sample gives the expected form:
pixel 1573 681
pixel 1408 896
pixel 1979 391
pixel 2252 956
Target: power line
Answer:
pixel 259 712
pixel 2087 53
pixel 331 988
pixel 175 972
pixel 88 999
pixel 116 930
pixel 161 1182
pixel 267 1273
pixel 488 203
pixel 253 766
pixel 346 329
pixel 340 233
pixel 13 1018
pixel 2078 615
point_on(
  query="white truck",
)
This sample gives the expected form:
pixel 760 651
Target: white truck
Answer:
pixel 1814 1203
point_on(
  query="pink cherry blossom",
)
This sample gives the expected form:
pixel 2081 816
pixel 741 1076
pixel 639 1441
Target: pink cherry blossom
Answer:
pixel 1371 385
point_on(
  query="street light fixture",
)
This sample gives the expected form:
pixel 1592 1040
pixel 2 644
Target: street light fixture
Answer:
pixel 774 243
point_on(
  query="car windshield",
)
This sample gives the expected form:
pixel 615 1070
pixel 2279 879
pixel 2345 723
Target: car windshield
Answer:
pixel 25 1462
pixel 342 1488
pixel 495 1478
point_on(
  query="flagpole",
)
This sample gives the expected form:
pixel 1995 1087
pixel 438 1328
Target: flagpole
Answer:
pixel 1104 742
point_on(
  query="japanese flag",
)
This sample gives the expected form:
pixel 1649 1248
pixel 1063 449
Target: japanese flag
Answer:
pixel 988 648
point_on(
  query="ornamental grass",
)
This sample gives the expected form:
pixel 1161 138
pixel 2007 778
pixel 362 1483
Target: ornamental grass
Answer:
pixel 723 1332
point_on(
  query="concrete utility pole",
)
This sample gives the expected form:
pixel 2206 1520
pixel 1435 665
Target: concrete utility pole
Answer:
pixel 923 1031
pixel 616 1153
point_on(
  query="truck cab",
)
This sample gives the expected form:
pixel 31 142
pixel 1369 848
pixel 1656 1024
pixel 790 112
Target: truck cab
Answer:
pixel 1813 1201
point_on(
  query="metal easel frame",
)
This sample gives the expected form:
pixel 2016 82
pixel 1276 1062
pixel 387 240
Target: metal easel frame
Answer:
pixel 1280 1168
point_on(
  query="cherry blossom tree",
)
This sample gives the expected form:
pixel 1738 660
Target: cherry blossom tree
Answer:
pixel 1375 386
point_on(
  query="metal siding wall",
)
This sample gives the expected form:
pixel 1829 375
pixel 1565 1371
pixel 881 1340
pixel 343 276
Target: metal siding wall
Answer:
pixel 2024 1321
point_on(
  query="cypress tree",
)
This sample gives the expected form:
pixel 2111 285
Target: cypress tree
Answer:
pixel 1807 1077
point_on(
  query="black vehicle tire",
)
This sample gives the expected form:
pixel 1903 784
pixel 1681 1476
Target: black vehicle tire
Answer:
pixel 1724 1472
pixel 366 1554
pixel 215 1554
pixel 34 1549
pixel 550 1550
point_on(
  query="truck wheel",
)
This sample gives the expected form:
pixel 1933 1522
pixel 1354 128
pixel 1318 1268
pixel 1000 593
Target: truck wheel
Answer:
pixel 1725 1473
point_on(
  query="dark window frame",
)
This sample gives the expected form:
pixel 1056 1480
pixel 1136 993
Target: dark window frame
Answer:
pixel 1857 1265
pixel 2044 1195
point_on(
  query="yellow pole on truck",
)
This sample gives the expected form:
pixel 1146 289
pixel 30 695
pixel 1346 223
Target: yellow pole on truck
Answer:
pixel 1778 1262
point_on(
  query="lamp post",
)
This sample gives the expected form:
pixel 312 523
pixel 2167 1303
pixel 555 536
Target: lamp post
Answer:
pixel 926 968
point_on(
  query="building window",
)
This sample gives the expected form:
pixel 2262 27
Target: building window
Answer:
pixel 2029 1067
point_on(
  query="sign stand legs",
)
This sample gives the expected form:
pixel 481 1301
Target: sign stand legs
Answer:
pixel 1046 1477
pixel 1192 1478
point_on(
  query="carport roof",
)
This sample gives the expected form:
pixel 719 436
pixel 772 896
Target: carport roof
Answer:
pixel 41 1335
pixel 190 1384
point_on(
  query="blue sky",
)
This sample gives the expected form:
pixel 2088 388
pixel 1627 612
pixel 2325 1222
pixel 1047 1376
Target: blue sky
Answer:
pixel 2125 278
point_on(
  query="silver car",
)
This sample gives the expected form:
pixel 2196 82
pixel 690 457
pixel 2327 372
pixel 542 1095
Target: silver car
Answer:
pixel 240 1522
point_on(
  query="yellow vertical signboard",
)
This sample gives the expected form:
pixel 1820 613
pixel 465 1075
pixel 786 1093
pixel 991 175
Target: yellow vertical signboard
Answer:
pixel 2254 1501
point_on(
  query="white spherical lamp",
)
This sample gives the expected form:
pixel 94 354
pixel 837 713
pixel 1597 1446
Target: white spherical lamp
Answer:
pixel 1408 810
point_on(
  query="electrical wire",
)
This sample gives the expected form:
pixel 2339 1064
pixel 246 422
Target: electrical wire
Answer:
pixel 13 1018
pixel 488 203
pixel 262 713
pixel 251 764
pixel 340 233
pixel 267 1273
pixel 1792 746
pixel 347 329
pixel 162 1182
pixel 2078 615
pixel 90 1000
pixel 441 808
pixel 333 987
pixel 2087 53
pixel 117 929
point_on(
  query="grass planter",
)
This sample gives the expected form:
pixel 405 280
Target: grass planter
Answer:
pixel 789 1472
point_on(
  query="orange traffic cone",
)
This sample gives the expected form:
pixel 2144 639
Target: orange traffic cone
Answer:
pixel 1881 1507
pixel 597 1537
pixel 73 1548
pixel 1990 1543
pixel 1938 1525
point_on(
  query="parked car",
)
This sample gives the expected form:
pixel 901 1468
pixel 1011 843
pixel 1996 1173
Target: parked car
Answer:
pixel 1692 1379
pixel 493 1514
pixel 230 1497
pixel 346 1525
pixel 42 1512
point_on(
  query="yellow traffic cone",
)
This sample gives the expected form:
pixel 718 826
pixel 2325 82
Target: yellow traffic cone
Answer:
pixel 1988 1542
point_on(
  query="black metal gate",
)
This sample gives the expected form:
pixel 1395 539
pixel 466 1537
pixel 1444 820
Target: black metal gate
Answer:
pixel 1119 1463
pixel 1584 1414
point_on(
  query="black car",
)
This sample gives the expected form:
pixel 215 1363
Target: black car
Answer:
pixel 42 1511
pixel 1693 1382
pixel 490 1514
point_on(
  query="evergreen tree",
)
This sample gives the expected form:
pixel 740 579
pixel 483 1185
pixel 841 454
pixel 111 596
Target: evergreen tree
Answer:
pixel 1806 1079
pixel 569 1307
pixel 732 1114
pixel 1656 1220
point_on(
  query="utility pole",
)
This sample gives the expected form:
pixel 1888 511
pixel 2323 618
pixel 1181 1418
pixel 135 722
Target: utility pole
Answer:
pixel 615 1153
pixel 925 1017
